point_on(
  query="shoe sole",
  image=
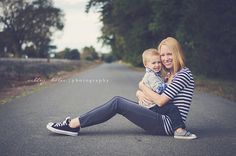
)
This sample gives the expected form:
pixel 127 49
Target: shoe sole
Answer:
pixel 61 131
pixel 185 138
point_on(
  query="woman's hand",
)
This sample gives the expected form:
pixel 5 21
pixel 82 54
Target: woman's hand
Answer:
pixel 146 95
pixel 143 98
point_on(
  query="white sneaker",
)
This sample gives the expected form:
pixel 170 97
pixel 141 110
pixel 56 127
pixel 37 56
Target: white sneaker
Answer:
pixel 184 134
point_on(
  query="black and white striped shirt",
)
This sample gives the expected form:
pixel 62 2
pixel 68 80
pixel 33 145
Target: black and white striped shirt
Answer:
pixel 180 91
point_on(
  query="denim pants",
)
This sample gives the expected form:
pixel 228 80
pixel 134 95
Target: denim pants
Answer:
pixel 172 112
pixel 145 118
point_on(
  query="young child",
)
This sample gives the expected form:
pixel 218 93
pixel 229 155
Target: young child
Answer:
pixel 153 80
pixel 152 77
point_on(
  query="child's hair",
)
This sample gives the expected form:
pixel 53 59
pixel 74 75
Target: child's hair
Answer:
pixel 149 53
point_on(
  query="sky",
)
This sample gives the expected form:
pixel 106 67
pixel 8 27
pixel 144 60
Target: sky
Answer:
pixel 80 29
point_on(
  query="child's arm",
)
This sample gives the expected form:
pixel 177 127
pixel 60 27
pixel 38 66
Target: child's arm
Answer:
pixel 146 80
pixel 145 102
pixel 160 100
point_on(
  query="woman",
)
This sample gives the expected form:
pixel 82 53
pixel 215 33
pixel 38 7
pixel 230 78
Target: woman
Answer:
pixel 179 92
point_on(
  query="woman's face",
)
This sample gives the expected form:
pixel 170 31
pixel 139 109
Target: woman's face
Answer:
pixel 166 57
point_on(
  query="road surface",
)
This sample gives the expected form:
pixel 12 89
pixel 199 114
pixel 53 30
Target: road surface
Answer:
pixel 23 121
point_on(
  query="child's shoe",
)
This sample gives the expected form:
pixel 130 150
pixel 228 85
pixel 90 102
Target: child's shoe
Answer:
pixel 63 128
pixel 184 134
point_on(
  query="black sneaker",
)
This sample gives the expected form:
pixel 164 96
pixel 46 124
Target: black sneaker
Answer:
pixel 63 128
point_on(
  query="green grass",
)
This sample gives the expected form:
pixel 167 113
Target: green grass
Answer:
pixel 17 75
pixel 16 71
pixel 223 88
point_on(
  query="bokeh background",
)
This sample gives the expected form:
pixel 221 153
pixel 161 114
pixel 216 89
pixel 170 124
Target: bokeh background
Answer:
pixel 109 30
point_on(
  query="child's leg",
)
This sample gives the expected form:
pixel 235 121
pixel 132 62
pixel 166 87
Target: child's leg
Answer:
pixel 172 111
pixel 178 125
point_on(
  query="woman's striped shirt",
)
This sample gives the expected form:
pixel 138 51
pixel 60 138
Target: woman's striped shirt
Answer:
pixel 180 91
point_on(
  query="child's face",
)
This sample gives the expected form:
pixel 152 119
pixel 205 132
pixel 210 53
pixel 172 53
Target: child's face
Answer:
pixel 154 63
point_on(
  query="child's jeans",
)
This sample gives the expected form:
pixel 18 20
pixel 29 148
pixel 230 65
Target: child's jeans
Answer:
pixel 172 111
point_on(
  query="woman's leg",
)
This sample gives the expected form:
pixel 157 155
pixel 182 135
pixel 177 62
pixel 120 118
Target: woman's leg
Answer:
pixel 142 117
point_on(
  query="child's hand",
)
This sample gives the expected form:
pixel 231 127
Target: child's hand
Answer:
pixel 167 77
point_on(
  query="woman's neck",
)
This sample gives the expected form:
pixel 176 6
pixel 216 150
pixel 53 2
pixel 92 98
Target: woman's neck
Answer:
pixel 171 71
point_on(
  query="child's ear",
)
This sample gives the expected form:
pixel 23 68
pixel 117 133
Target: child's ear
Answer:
pixel 144 64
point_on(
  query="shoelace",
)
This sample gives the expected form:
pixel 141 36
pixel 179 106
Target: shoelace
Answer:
pixel 64 123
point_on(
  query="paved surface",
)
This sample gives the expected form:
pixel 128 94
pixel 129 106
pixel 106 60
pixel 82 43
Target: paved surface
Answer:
pixel 23 121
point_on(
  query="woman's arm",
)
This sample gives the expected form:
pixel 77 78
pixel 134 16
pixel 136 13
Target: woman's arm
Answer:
pixel 160 100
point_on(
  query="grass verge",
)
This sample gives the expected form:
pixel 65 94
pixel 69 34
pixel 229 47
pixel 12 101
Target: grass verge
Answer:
pixel 20 77
pixel 223 88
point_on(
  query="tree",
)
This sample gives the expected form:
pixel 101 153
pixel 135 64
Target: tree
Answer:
pixel 5 41
pixel 205 28
pixel 72 54
pixel 126 27
pixel 89 53
pixel 61 54
pixel 29 24
pixel 67 53
pixel 108 58
pixel 208 33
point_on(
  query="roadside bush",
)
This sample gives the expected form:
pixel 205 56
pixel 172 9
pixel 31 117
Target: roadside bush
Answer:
pixel 108 58
pixel 72 54
pixel 89 53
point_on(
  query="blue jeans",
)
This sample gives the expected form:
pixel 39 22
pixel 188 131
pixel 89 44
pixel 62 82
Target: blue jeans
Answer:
pixel 145 118
pixel 172 112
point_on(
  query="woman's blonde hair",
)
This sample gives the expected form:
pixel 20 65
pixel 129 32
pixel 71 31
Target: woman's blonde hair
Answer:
pixel 177 53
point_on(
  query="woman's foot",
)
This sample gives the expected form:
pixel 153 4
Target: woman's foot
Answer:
pixel 63 128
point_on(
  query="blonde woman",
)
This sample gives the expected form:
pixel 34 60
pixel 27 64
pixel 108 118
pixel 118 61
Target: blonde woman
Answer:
pixel 179 92
pixel 180 89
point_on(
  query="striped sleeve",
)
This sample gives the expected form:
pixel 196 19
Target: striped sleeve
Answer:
pixel 179 82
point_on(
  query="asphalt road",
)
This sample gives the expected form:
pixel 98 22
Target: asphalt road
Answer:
pixel 23 121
